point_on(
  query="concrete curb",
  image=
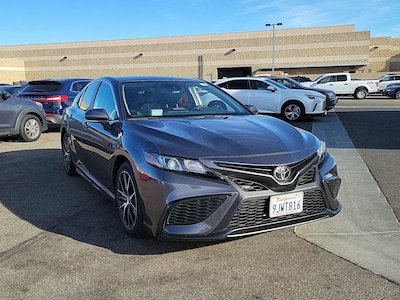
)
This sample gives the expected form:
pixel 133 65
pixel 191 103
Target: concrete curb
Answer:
pixel 367 231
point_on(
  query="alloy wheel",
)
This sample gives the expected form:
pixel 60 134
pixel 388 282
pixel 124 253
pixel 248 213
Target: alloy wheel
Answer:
pixel 32 129
pixel 67 156
pixel 127 200
pixel 292 112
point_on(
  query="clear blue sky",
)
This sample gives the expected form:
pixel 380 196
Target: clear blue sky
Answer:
pixel 54 21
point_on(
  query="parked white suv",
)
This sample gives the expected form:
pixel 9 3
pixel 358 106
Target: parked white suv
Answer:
pixel 387 79
pixel 271 97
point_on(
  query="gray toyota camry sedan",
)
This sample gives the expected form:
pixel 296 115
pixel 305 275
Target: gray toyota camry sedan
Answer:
pixel 184 160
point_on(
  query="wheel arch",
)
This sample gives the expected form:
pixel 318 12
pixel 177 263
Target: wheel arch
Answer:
pixel 360 88
pixel 25 112
pixel 120 159
pixel 298 103
pixel 295 101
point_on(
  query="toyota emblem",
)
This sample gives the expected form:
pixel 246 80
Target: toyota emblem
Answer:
pixel 281 173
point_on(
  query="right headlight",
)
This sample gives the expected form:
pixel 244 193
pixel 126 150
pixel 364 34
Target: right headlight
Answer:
pixel 178 164
pixel 321 151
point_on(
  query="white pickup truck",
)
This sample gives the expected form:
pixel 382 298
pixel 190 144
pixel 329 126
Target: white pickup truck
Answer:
pixel 342 84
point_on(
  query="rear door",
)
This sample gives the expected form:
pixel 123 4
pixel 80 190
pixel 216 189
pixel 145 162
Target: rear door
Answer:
pixel 264 96
pixel 239 89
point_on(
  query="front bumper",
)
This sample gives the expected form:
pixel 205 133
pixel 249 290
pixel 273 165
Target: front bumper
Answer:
pixel 331 102
pixel 237 205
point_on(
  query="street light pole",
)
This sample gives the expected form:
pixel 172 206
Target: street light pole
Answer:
pixel 273 43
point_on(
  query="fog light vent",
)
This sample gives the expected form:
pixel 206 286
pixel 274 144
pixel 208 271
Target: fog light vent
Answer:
pixel 334 186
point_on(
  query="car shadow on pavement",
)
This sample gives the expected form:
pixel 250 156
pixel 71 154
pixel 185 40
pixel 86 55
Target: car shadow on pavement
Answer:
pixel 382 135
pixel 35 188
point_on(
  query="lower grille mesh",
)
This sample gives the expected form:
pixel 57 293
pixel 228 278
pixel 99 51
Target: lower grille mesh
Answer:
pixel 254 212
pixel 194 210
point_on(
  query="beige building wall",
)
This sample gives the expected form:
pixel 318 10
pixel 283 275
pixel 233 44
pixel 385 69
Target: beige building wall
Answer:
pixel 305 51
pixel 12 70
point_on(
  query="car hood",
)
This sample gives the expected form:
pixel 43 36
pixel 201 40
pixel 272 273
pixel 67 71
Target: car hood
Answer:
pixel 249 139
pixel 323 91
pixel 305 91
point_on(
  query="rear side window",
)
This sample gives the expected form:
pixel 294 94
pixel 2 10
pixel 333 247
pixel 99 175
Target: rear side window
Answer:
pixel 237 85
pixel 43 86
pixel 341 78
pixel 86 98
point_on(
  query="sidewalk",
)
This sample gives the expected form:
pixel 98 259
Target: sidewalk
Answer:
pixel 366 232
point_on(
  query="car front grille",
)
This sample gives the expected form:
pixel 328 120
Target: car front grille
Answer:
pixel 252 178
pixel 194 210
pixel 254 211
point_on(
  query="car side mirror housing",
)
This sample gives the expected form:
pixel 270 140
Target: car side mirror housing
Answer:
pixel 271 88
pixel 252 108
pixel 96 114
pixel 5 95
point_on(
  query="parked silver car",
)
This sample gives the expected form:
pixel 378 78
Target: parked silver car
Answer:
pixel 21 117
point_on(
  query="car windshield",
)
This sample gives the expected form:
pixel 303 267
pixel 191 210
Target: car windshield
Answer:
pixel 177 98
pixel 295 83
pixel 277 84
pixel 319 77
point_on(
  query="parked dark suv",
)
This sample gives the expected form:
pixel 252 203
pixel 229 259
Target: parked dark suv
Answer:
pixel 54 94
pixel 21 117
pixel 13 89
pixel 331 98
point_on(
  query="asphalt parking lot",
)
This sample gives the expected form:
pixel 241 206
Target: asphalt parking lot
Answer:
pixel 61 240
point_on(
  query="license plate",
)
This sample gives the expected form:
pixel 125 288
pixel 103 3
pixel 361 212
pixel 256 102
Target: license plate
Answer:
pixel 286 204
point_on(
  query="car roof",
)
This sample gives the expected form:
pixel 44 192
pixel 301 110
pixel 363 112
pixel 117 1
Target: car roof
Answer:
pixel 241 78
pixel 122 79
pixel 58 80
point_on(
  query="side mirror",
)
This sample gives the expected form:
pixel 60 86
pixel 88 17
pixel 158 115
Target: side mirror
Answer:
pixel 96 114
pixel 271 88
pixel 252 108
pixel 5 95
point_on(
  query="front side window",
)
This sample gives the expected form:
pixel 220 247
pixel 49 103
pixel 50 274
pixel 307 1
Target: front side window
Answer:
pixel 326 79
pixel 105 99
pixel 258 85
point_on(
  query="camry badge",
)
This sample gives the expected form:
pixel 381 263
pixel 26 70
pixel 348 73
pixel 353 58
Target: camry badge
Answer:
pixel 281 173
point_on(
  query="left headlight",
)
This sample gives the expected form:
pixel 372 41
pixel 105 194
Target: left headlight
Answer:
pixel 313 97
pixel 175 163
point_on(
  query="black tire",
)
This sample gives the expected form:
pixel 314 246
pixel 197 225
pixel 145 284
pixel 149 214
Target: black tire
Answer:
pixel 30 128
pixel 217 104
pixel 69 166
pixel 129 202
pixel 292 111
pixel 360 93
pixel 397 95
